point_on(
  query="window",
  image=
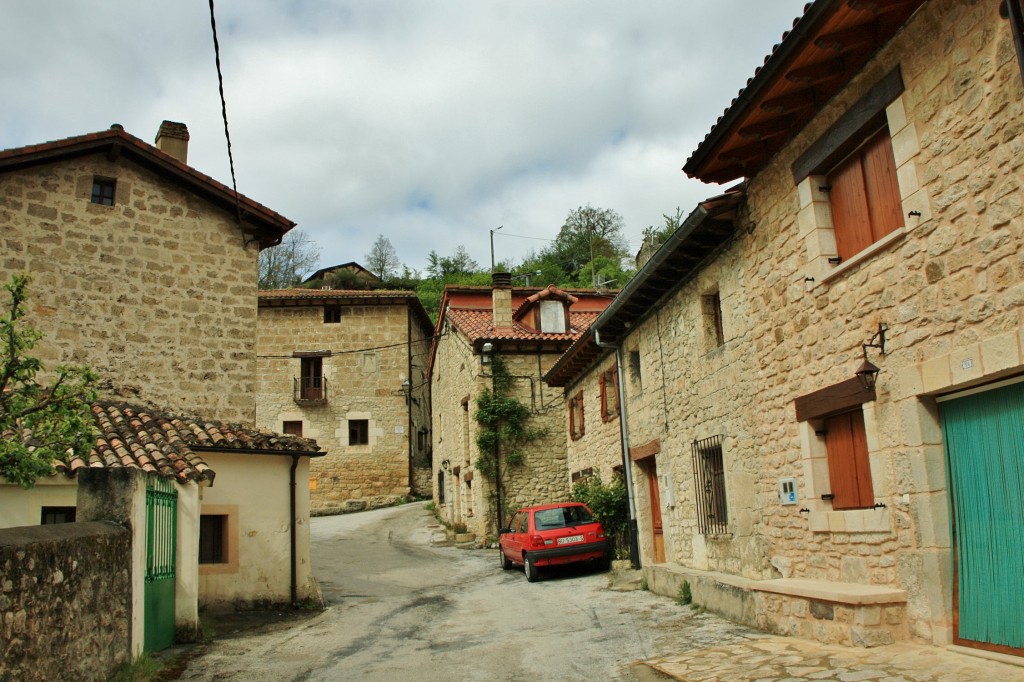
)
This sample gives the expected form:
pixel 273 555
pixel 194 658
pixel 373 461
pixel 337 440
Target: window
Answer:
pixel 57 515
pixel 311 378
pixel 332 314
pixel 634 370
pixel 440 487
pixel 552 317
pixel 292 428
pixel 103 191
pixel 849 470
pixel 213 539
pixel 583 474
pixel 610 394
pixel 711 308
pixel 709 486
pixel 576 425
pixel 358 431
pixel 865 196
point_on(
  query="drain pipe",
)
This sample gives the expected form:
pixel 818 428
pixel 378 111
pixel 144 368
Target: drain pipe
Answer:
pixel 295 589
pixel 634 542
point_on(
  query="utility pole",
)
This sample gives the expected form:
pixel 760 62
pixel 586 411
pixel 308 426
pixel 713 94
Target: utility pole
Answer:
pixel 492 245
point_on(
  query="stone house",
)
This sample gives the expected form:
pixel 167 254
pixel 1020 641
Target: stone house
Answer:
pixel 528 329
pixel 879 227
pixel 145 269
pixel 348 368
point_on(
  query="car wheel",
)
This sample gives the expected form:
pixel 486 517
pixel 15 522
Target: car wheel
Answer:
pixel 532 574
pixel 505 563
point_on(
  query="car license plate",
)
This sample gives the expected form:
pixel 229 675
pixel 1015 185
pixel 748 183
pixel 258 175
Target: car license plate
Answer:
pixel 570 539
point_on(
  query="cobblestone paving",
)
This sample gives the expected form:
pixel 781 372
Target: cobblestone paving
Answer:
pixel 784 659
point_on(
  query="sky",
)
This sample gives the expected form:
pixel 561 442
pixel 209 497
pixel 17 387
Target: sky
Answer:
pixel 431 123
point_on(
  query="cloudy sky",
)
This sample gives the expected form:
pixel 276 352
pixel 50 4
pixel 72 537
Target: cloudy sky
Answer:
pixel 430 122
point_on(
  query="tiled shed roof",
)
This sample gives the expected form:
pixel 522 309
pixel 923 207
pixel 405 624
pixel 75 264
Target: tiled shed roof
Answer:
pixel 331 294
pixel 163 444
pixel 479 324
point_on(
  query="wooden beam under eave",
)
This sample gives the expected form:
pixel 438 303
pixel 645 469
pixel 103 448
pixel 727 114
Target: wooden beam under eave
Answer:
pixel 847 38
pixel 819 71
pixel 765 129
pixel 877 7
pixel 791 102
pixel 741 154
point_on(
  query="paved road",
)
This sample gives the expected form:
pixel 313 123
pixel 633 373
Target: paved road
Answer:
pixel 402 609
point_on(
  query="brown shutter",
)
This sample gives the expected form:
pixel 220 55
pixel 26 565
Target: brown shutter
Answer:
pixel 883 191
pixel 849 470
pixel 850 216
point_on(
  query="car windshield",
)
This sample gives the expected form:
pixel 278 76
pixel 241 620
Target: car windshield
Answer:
pixel 560 517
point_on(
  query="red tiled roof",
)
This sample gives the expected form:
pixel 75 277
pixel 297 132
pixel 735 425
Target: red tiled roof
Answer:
pixel 165 445
pixel 479 324
pixel 331 294
pixel 271 224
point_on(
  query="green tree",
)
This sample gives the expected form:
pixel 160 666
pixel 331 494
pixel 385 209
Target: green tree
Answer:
pixel 39 424
pixel 382 260
pixel 610 505
pixel 659 235
pixel 283 266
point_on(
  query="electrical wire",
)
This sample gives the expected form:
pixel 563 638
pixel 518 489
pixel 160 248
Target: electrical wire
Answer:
pixel 224 113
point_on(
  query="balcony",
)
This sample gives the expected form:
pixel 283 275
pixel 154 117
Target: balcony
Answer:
pixel 310 390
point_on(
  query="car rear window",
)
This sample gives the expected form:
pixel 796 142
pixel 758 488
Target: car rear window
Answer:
pixel 560 517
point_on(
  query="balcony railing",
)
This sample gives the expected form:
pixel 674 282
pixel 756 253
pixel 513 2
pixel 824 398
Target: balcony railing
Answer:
pixel 310 389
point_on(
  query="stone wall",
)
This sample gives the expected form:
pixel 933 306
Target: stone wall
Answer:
pixel 156 293
pixel 948 288
pixel 65 601
pixel 600 447
pixel 369 361
pixel 457 380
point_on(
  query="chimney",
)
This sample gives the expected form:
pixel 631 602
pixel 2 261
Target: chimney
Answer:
pixel 172 139
pixel 501 292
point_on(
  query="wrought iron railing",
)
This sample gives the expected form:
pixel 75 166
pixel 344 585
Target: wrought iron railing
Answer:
pixel 311 389
pixel 709 485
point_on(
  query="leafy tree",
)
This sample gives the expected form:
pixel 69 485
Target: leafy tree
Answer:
pixel 39 424
pixel 382 260
pixel 610 505
pixel 659 235
pixel 460 263
pixel 284 265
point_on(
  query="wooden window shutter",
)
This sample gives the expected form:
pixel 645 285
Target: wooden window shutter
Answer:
pixel 849 470
pixel 865 196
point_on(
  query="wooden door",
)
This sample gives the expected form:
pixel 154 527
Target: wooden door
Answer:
pixel 983 436
pixel 655 497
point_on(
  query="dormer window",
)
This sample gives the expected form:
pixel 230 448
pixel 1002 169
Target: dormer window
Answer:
pixel 552 317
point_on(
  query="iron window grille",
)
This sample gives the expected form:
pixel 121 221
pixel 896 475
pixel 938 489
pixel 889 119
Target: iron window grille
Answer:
pixel 709 484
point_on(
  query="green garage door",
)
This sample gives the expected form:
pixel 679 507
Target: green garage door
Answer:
pixel 984 439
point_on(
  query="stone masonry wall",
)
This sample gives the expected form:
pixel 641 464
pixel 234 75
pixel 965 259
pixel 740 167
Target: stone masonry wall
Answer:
pixel 369 362
pixel 457 379
pixel 65 601
pixel 600 447
pixel 948 288
pixel 156 293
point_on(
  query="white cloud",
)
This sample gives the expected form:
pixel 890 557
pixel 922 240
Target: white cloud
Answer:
pixel 428 122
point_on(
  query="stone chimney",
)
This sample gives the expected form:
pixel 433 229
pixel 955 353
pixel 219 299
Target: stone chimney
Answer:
pixel 172 139
pixel 501 283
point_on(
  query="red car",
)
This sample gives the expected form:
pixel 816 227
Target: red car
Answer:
pixel 552 534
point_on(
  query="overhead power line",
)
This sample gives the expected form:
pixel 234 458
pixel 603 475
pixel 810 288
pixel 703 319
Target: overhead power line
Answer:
pixel 224 113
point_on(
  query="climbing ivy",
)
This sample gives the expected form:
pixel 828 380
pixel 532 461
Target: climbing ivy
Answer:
pixel 503 424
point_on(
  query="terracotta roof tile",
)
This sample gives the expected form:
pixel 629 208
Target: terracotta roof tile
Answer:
pixel 479 324
pixel 328 294
pixel 165 445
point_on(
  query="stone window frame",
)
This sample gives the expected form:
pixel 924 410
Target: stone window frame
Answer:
pixel 358 431
pixel 371 438
pixel 104 190
pixel 822 518
pixel 711 314
pixel 577 424
pixel 884 105
pixel 230 539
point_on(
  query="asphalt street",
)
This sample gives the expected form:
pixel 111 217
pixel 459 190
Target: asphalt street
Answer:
pixel 400 608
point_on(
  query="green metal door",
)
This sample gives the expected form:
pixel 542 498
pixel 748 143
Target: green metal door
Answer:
pixel 984 439
pixel 161 545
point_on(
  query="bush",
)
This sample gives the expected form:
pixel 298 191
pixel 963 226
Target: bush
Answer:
pixel 610 505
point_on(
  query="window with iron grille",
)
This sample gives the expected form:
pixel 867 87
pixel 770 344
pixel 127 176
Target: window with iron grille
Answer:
pixel 709 485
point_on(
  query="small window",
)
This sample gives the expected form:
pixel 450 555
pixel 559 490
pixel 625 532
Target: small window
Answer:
pixel 849 469
pixel 865 196
pixel 583 474
pixel 358 432
pixel 709 484
pixel 332 314
pixel 634 370
pixel 293 428
pixel 57 515
pixel 552 317
pixel 213 539
pixel 610 394
pixel 714 332
pixel 440 487
pixel 103 191
pixel 576 425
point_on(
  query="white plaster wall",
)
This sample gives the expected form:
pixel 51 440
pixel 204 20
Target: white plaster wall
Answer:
pixel 20 507
pixel 186 571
